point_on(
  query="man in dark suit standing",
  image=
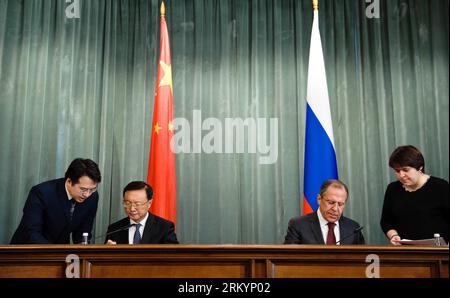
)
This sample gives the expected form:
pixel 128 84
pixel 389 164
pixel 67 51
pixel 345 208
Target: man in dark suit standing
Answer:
pixel 58 208
pixel 141 226
pixel 327 225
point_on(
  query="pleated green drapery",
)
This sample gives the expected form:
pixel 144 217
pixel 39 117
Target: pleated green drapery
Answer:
pixel 83 87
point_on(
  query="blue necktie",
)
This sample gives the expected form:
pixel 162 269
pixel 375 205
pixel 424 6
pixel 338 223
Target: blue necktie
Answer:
pixel 137 235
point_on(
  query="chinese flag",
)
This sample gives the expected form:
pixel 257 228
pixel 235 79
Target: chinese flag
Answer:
pixel 161 168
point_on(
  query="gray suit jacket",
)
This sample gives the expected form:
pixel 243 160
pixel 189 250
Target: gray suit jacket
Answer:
pixel 306 230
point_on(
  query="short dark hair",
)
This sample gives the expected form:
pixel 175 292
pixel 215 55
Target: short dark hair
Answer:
pixel 407 156
pixel 332 182
pixel 138 185
pixel 80 167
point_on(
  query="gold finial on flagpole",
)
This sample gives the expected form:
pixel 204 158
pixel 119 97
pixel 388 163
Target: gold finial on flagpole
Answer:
pixel 315 5
pixel 163 9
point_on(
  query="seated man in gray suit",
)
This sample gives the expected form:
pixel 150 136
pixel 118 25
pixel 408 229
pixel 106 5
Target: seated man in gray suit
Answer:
pixel 141 226
pixel 327 225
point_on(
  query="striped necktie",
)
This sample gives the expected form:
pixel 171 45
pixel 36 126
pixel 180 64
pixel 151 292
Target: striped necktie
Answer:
pixel 72 207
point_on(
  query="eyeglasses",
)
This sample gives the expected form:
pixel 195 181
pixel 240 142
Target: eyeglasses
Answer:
pixel 87 190
pixel 333 203
pixel 137 205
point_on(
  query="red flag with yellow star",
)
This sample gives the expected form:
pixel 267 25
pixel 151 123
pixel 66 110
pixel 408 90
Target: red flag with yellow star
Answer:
pixel 161 168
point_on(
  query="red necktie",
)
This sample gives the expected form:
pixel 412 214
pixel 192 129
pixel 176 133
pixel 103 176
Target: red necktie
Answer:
pixel 331 239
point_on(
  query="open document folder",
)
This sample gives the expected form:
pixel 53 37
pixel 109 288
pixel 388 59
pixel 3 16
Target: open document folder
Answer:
pixel 427 242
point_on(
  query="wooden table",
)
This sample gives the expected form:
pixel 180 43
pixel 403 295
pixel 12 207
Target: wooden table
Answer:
pixel 223 261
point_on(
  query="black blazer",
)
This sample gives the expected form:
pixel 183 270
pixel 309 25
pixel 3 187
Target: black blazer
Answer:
pixel 46 216
pixel 306 230
pixel 157 230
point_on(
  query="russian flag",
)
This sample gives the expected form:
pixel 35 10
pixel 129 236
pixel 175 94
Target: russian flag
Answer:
pixel 320 156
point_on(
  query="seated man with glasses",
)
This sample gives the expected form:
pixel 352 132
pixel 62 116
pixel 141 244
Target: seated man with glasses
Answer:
pixel 141 226
pixel 327 225
pixel 58 208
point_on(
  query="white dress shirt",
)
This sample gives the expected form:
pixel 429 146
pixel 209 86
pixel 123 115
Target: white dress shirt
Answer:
pixel 68 194
pixel 132 230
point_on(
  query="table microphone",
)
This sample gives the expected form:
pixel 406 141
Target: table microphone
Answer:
pixel 358 229
pixel 115 231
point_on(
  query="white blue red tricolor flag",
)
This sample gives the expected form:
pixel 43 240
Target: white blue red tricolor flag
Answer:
pixel 320 156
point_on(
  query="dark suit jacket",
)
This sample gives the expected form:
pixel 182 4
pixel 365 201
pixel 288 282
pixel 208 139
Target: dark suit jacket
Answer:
pixel 46 216
pixel 157 230
pixel 306 230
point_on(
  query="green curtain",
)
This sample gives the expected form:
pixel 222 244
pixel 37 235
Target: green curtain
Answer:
pixel 83 87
